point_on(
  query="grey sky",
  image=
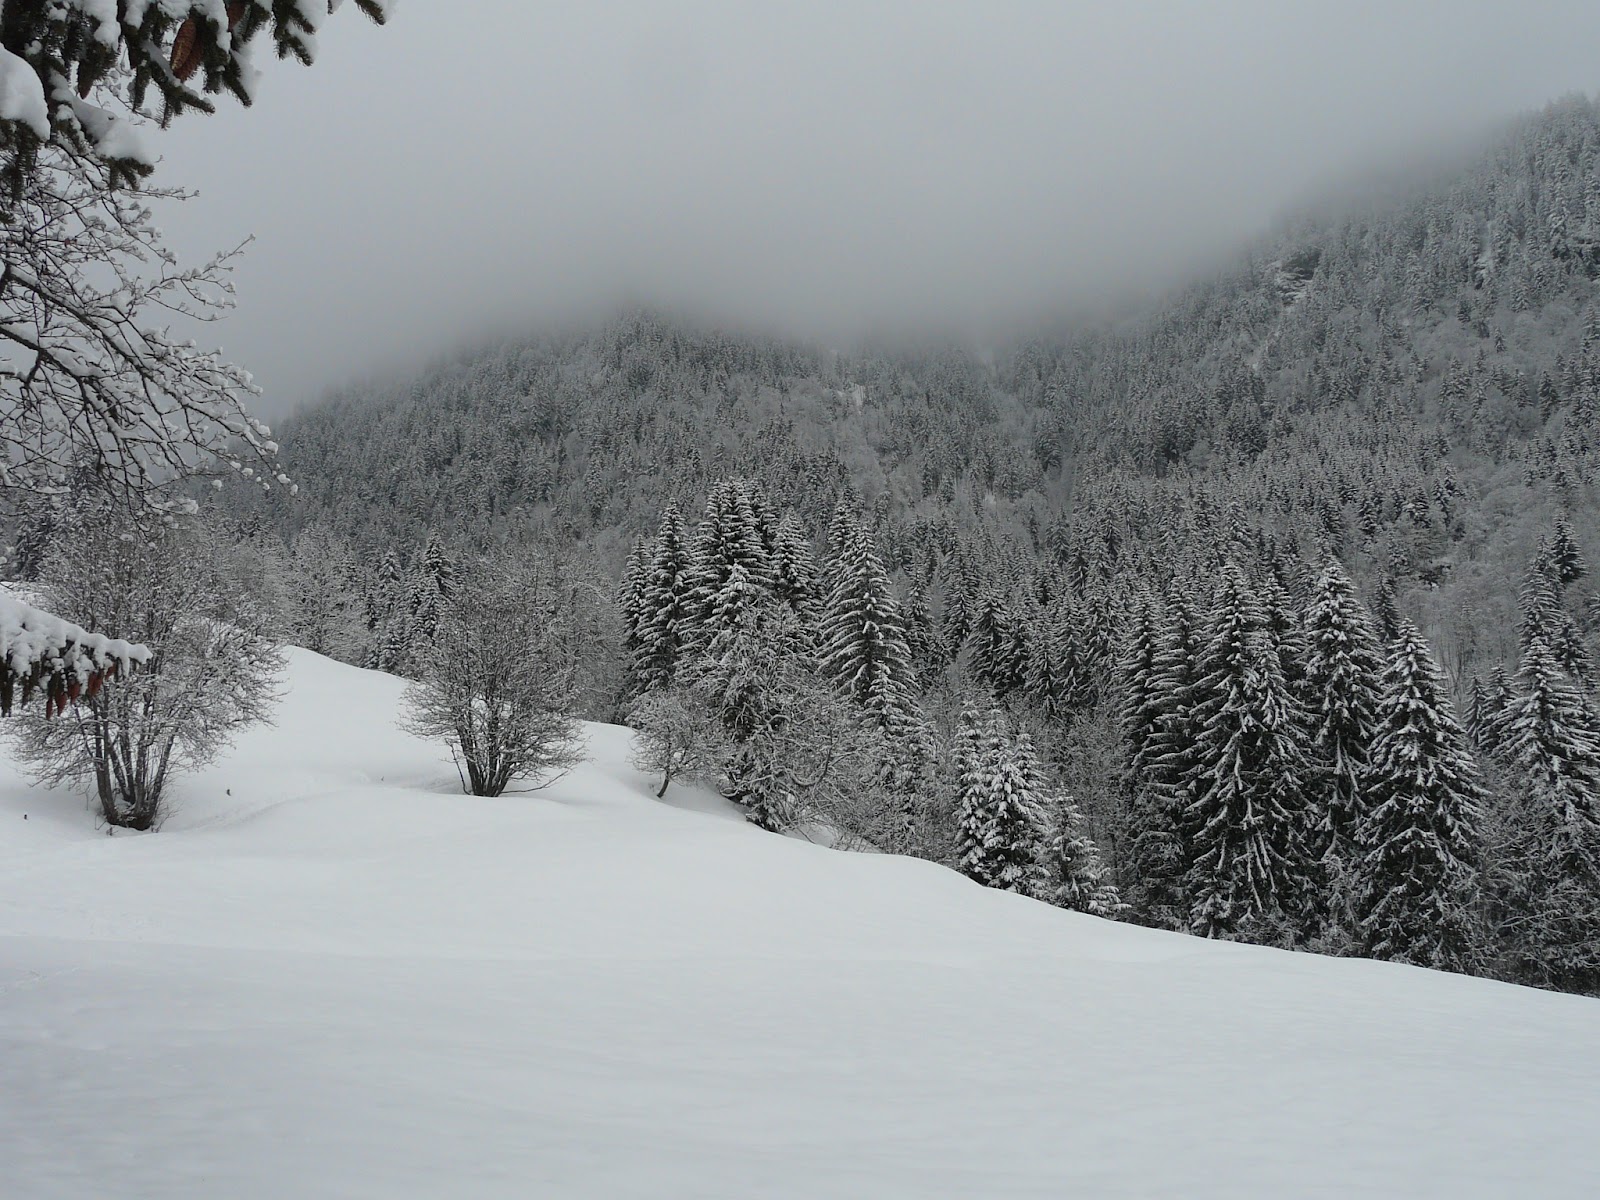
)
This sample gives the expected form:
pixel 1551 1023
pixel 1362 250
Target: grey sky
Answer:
pixel 817 167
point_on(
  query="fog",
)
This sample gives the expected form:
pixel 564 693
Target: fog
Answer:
pixel 816 168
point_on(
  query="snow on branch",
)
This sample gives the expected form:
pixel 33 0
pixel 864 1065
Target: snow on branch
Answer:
pixel 38 649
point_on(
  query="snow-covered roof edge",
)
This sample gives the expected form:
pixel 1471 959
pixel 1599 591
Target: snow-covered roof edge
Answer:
pixel 37 647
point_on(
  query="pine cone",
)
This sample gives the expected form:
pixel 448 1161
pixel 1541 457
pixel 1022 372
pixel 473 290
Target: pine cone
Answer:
pixel 186 52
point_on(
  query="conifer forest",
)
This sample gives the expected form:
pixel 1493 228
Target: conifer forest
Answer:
pixel 1264 614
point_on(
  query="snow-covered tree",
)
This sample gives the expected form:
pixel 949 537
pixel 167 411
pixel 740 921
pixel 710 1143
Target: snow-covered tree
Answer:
pixel 998 654
pixel 664 606
pixel 999 817
pixel 213 674
pixel 98 390
pixel 786 744
pixel 1251 870
pixel 1068 870
pixel 675 738
pixel 1343 669
pixel 1164 777
pixel 794 570
pixel 1554 736
pixel 1418 871
pixel 497 680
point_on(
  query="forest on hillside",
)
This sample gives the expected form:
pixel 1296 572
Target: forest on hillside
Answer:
pixel 1265 614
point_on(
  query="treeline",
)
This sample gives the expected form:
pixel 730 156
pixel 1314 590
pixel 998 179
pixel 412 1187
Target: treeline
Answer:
pixel 1278 763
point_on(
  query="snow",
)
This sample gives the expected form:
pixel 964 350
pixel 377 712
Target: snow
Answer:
pixel 346 979
pixel 30 636
pixel 22 95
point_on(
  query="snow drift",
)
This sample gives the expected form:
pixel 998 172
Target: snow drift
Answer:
pixel 332 974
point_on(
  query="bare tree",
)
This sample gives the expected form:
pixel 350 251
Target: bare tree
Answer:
pixel 498 678
pixel 213 676
pixel 97 388
pixel 675 735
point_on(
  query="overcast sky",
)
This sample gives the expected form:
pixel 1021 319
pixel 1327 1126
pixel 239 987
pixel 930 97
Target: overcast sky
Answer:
pixel 816 167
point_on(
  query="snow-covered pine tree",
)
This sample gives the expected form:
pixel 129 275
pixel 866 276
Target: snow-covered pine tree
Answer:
pixel 1068 871
pixel 1418 884
pixel 864 653
pixel 929 654
pixel 183 51
pixel 997 647
pixel 1566 559
pixel 664 606
pixel 999 818
pixel 1343 672
pixel 1252 873
pixel 794 570
pixel 1285 629
pixel 1554 735
pixel 729 536
pixel 1386 610
pixel 1138 700
pixel 1056 673
pixel 432 585
pixel 1545 620
pixel 385 600
pixel 1161 853
pixel 629 597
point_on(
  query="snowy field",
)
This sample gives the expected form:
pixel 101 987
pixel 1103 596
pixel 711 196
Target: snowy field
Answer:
pixel 346 979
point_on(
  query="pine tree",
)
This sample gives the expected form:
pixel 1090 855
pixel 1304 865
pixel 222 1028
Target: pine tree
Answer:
pixel 729 537
pixel 1566 559
pixel 999 653
pixel 1068 871
pixel 1554 735
pixel 1418 871
pixel 1546 622
pixel 1161 851
pixel 1487 708
pixel 384 604
pixel 794 570
pixel 1056 673
pixel 630 591
pixel 1139 700
pixel 1252 858
pixel 1387 611
pixel 1342 676
pixel 864 652
pixel 929 654
pixel 664 607
pixel 999 818
pixel 751 644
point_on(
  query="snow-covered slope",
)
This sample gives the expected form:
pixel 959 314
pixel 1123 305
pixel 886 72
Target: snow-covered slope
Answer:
pixel 346 979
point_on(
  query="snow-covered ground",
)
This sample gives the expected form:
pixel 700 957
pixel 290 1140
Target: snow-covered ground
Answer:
pixel 333 975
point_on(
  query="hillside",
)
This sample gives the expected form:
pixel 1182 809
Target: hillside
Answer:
pixel 332 974
pixel 1408 382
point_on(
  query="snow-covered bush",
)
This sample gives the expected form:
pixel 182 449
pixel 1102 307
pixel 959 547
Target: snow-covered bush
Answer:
pixel 214 672
pixel 498 679
pixel 675 735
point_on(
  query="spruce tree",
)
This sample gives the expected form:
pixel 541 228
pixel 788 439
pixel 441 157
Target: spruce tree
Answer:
pixel 1554 736
pixel 794 570
pixel 999 818
pixel 1161 851
pixel 1252 867
pixel 1418 871
pixel 728 537
pixel 998 650
pixel 1068 870
pixel 864 653
pixel 1343 673
pixel 664 607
